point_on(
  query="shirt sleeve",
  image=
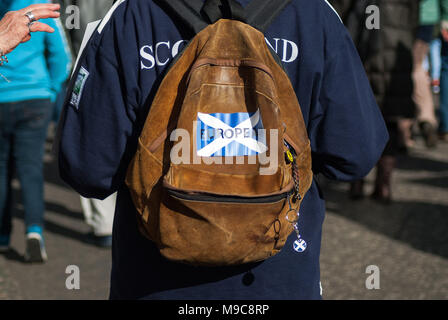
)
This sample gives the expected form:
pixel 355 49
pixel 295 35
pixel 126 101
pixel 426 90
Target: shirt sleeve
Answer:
pixel 97 132
pixel 347 131
pixel 58 56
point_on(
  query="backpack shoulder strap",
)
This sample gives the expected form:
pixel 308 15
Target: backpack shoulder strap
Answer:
pixel 195 13
pixel 261 13
pixel 214 10
pixel 188 12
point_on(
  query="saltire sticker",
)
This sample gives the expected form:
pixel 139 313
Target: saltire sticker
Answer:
pixel 230 134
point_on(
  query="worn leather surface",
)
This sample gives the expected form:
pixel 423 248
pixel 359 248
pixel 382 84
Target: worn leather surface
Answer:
pixel 227 68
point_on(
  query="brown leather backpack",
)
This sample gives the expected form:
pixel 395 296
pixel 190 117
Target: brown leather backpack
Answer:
pixel 203 178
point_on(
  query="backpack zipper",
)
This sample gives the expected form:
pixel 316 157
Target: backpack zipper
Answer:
pixel 207 197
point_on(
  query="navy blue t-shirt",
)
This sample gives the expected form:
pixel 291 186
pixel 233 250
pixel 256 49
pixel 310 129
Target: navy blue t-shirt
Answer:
pixel 116 79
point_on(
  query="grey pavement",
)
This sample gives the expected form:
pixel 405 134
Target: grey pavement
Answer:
pixel 407 240
pixel 65 245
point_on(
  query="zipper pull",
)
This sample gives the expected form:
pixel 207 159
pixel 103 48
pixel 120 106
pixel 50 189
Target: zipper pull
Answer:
pixel 290 158
pixel 277 229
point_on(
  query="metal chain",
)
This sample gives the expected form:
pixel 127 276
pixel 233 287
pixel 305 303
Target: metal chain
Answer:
pixel 295 177
pixel 299 244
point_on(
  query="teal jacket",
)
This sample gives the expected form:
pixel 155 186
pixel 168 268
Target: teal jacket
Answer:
pixel 38 68
pixel 433 11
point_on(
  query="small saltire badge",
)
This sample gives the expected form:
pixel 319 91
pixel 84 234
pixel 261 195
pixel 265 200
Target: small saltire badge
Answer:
pixel 299 245
pixel 230 134
pixel 81 79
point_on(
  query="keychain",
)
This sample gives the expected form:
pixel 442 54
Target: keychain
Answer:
pixel 299 245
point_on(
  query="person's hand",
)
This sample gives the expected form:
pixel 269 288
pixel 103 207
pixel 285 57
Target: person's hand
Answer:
pixel 444 30
pixel 14 27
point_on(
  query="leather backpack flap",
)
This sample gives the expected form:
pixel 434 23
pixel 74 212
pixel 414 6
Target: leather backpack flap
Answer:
pixel 232 81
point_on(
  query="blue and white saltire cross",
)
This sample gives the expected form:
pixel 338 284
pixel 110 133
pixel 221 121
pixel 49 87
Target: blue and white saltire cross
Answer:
pixel 230 134
pixel 299 245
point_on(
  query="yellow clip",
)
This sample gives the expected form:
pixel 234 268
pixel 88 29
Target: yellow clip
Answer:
pixel 289 155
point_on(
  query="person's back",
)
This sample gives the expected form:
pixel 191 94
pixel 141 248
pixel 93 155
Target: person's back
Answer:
pixel 116 81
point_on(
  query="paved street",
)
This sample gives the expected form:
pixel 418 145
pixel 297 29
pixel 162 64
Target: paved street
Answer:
pixel 64 238
pixel 407 240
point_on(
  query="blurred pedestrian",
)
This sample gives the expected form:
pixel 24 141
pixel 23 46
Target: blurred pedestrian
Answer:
pixel 443 111
pixel 35 71
pixel 99 215
pixel 387 56
pixel 429 18
pixel 16 26
pixel 434 63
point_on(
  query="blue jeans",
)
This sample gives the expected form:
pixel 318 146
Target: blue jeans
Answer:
pixel 434 55
pixel 433 62
pixel 443 110
pixel 23 130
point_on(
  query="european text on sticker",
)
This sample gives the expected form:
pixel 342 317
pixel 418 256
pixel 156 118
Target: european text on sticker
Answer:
pixel 230 134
